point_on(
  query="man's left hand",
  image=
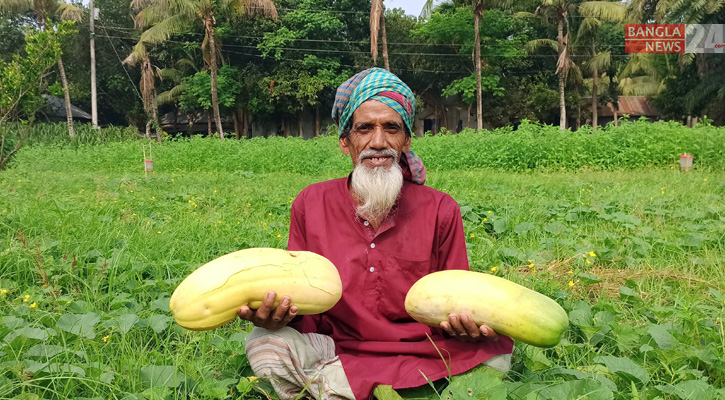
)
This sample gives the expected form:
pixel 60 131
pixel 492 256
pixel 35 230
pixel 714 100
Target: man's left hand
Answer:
pixel 463 327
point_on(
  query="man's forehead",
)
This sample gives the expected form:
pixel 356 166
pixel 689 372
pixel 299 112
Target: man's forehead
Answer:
pixel 375 110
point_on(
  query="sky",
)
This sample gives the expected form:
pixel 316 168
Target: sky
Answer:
pixel 411 7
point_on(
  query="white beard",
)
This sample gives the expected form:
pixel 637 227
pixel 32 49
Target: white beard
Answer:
pixel 377 188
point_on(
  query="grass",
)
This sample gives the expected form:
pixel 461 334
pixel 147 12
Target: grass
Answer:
pixel 636 258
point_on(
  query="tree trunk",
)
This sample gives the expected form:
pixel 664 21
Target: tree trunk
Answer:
pixel 579 116
pixel 148 129
pixel 68 111
pixel 562 83
pixel 468 121
pixel 595 106
pixel 245 124
pixel 385 41
pixel 317 120
pixel 157 123
pixel 209 23
pixel 299 120
pixel 237 123
pixel 478 12
pixel 208 123
pixel 616 117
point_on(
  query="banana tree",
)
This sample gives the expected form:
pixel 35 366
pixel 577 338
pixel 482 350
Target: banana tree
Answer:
pixel 377 21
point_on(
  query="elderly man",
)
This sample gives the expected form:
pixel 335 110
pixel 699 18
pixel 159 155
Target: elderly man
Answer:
pixel 384 230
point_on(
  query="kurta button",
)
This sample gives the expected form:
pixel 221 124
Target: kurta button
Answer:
pixel 372 269
pixel 372 245
pixel 366 223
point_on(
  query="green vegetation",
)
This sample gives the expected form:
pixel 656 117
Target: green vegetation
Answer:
pixel 90 252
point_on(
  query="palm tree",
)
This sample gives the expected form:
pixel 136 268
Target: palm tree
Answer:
pixel 147 85
pixel 44 10
pixel 164 18
pixel 377 20
pixel 478 7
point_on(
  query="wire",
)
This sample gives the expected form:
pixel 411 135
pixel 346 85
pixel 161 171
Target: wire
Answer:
pixel 133 85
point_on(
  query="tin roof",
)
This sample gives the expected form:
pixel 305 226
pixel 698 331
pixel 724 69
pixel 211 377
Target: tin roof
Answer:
pixel 634 106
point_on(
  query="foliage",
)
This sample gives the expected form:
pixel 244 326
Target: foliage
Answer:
pixel 197 89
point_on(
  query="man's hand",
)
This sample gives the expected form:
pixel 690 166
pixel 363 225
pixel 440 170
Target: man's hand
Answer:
pixel 464 328
pixel 268 317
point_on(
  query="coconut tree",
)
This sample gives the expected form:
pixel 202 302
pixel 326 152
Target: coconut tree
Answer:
pixel 44 11
pixel 377 21
pixel 478 7
pixel 165 18
pixel 147 85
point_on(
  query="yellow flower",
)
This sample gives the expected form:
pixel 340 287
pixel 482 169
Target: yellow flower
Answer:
pixel 45 285
pixel 215 191
pixel 485 219
pixel 592 254
pixel 105 338
pixel 494 269
pixel 570 272
pixel 219 222
pixel 473 235
pixel 588 262
pixel 705 180
pixel 134 214
pixel 571 284
pixel 20 180
pixel 270 214
pixel 172 179
pixel 26 299
pixel 3 291
pixel 279 236
pixel 34 305
pixel 159 232
pixel 265 224
pixel 249 205
pixel 252 379
pixel 490 212
pixel 153 197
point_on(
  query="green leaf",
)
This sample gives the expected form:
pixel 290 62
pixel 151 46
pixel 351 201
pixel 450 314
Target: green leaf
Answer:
pixel 156 393
pixel 215 389
pixel 662 335
pixel 590 389
pixel 535 359
pixel 523 227
pixel 627 293
pixel 480 383
pixel 690 390
pixel 30 333
pixel 556 228
pixel 587 279
pixel 161 304
pixel 161 375
pixel 157 322
pixel 12 322
pixel 624 367
pixel 244 386
pixel 123 323
pixel 79 324
pixel 500 225
pixel 386 392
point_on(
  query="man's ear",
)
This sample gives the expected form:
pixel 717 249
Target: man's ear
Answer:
pixel 406 146
pixel 344 146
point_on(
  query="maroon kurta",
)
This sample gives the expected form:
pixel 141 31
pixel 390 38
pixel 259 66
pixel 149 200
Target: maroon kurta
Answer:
pixel 377 341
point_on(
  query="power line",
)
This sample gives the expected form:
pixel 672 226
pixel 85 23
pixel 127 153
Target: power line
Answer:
pixel 133 85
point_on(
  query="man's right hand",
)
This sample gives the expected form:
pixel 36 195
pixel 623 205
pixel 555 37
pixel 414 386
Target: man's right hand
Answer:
pixel 268 317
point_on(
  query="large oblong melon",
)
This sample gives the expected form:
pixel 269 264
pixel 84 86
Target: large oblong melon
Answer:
pixel 507 307
pixel 211 295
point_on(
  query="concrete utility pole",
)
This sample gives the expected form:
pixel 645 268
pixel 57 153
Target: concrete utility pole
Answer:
pixel 94 105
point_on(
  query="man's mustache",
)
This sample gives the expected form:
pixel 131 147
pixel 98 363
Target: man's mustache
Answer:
pixel 378 153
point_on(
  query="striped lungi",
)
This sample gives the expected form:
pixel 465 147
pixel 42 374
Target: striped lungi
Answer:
pixel 294 362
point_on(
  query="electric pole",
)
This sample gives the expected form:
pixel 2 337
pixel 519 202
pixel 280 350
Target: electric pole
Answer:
pixel 94 105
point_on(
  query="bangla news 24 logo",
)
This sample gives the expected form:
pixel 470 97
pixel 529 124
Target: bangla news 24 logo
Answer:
pixel 674 38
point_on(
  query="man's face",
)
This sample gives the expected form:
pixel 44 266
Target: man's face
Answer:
pixel 375 126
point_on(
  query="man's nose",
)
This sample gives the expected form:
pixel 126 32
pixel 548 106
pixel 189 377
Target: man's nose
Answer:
pixel 377 141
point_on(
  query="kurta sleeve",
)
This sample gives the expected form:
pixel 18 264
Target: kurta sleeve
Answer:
pixel 452 253
pixel 297 231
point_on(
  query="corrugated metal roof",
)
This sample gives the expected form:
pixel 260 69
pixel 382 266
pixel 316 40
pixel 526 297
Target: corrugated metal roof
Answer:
pixel 634 106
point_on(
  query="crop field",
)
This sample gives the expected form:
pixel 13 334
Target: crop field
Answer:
pixel 91 250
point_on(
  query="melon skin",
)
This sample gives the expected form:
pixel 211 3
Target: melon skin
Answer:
pixel 211 295
pixel 507 307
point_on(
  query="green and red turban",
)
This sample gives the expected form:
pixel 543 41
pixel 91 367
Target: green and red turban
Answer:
pixel 381 85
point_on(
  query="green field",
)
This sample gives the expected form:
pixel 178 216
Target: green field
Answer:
pixel 90 251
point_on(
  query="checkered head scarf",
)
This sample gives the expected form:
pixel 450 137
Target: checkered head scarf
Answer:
pixel 381 85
